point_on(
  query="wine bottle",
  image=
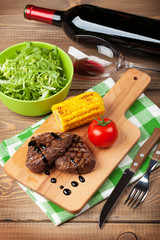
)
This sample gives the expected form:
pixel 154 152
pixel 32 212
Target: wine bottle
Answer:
pixel 117 28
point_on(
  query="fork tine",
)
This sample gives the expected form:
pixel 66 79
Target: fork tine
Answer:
pixel 129 196
pixel 142 199
pixel 140 190
pixel 134 196
pixel 138 198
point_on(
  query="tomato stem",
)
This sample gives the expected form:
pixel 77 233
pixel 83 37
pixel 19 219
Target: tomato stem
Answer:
pixel 102 121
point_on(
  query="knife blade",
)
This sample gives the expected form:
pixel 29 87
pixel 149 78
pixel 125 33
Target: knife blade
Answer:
pixel 127 175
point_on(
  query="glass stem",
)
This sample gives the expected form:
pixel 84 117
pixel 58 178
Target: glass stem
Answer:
pixel 141 67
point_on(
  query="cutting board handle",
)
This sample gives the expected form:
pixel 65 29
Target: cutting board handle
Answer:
pixel 126 90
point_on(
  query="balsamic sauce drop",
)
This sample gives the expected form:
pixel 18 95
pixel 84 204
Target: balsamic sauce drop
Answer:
pixel 44 159
pixel 74 183
pixel 47 172
pixel 37 149
pixel 43 146
pixel 72 161
pixel 53 180
pixel 81 179
pixel 55 136
pixel 61 187
pixel 32 143
pixel 67 191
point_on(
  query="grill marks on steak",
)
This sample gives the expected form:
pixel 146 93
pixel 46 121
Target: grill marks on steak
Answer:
pixel 45 148
pixel 64 150
pixel 77 158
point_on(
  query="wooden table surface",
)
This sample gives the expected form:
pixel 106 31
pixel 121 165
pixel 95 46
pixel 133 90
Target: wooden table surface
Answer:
pixel 20 218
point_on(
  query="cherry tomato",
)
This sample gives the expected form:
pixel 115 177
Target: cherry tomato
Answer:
pixel 102 132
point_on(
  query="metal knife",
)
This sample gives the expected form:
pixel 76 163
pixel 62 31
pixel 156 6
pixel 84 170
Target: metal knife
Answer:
pixel 128 174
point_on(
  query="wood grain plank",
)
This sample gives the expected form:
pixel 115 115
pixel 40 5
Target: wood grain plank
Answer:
pixel 76 231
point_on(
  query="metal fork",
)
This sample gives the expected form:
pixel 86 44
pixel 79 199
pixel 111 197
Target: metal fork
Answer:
pixel 140 190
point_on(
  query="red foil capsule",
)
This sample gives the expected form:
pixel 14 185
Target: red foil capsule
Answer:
pixel 45 15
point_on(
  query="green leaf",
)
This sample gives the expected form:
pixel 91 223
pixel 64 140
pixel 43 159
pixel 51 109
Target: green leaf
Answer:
pixel 102 122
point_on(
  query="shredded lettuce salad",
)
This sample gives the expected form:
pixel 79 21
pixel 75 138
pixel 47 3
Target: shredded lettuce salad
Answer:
pixel 34 74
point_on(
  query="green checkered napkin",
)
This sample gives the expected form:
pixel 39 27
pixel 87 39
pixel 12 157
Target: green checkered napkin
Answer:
pixel 143 113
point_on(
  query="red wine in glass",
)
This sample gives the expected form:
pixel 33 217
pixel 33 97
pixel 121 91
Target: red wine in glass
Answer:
pixel 94 59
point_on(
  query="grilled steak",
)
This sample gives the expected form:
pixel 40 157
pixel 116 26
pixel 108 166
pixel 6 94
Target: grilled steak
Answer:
pixel 77 158
pixel 45 148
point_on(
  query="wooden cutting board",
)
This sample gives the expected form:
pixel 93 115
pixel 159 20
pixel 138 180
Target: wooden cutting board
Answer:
pixel 126 90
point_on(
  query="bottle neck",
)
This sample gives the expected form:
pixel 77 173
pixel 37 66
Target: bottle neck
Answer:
pixel 45 15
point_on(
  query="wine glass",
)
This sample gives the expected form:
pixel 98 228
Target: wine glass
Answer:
pixel 94 59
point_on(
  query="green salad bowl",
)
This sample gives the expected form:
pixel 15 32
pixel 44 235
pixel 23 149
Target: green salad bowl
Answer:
pixel 37 107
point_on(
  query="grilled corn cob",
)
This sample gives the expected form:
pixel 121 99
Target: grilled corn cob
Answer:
pixel 78 110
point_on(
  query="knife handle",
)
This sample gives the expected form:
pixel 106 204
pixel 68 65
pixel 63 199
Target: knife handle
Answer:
pixel 144 150
pixel 156 154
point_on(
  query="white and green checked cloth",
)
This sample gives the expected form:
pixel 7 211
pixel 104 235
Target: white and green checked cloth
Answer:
pixel 143 113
